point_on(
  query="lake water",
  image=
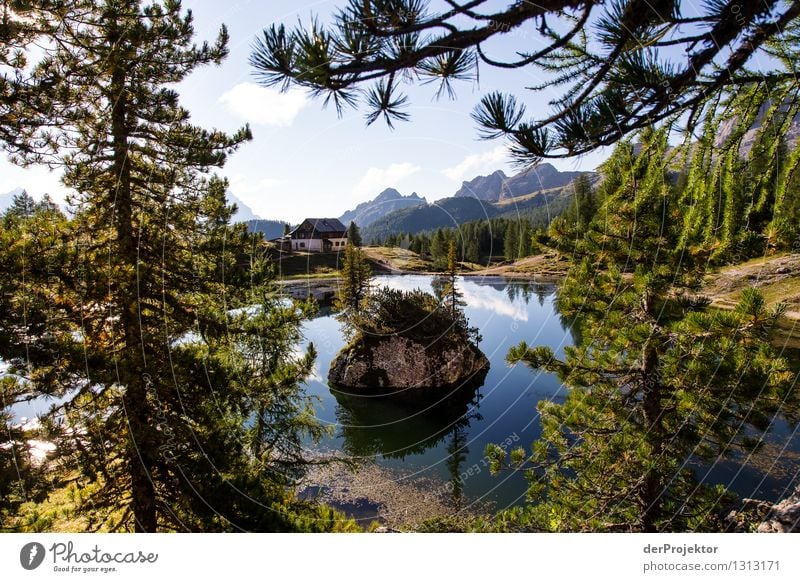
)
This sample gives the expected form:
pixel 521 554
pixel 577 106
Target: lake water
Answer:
pixel 445 439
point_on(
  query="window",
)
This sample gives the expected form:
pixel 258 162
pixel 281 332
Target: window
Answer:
pixel 302 245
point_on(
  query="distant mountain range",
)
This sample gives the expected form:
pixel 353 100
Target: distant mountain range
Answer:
pixel 388 201
pixel 448 212
pixel 538 194
pixel 497 187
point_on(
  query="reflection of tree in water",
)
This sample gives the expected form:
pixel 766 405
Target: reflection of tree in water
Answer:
pixel 457 450
pixel 542 291
pixel 525 290
pixel 399 425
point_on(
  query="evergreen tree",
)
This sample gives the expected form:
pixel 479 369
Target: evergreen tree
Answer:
pixel 143 339
pixel 737 175
pixel 655 380
pixel 22 23
pixel 585 207
pixel 472 253
pixel 438 247
pixel 32 241
pixel 570 227
pixel 616 67
pixel 22 205
pixel 525 239
pixel 354 235
pixel 511 242
pixel 354 285
pixel 453 297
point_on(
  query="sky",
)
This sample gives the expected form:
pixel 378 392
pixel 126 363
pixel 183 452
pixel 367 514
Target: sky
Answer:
pixel 305 161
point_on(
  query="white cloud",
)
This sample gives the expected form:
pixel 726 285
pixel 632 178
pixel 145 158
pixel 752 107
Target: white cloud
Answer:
pixel 263 106
pixel 476 164
pixel 375 180
pixel 481 297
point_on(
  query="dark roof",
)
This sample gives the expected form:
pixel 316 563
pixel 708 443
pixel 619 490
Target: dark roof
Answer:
pixel 325 224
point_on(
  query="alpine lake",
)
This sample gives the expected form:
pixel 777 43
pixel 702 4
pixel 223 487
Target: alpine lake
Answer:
pixel 441 439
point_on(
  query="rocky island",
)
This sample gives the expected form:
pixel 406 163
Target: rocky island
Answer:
pixel 407 340
pixel 399 362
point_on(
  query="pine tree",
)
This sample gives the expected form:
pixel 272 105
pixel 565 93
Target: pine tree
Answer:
pixel 22 205
pixel 32 241
pixel 22 23
pixel 438 248
pixel 354 235
pixel 511 242
pixel 585 203
pixel 472 253
pixel 525 239
pixel 655 379
pixel 149 336
pixel 452 295
pixel 736 173
pixel 354 285
pixel 616 67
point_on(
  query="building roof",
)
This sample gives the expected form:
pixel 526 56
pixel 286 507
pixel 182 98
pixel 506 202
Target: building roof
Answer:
pixel 323 225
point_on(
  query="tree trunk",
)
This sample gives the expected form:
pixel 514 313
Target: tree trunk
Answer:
pixel 132 363
pixel 650 496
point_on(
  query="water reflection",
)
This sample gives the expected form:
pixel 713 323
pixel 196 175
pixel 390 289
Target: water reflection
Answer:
pixel 442 438
pixel 396 426
pixel 487 298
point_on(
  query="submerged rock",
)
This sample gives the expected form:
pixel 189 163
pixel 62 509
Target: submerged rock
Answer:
pixel 392 363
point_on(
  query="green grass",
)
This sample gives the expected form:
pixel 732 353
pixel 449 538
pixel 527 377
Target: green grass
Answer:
pixel 785 291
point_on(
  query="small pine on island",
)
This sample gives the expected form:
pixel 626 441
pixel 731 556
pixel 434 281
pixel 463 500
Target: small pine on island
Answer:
pixel 403 340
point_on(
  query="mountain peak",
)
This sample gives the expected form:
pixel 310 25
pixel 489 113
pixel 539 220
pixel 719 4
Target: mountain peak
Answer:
pixel 388 194
pixel 497 186
pixel 387 201
pixel 483 187
pixel 243 212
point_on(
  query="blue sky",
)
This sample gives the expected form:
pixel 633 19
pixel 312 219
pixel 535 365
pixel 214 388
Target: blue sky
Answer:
pixel 304 160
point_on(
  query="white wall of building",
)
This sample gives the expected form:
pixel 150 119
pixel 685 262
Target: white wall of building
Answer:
pixel 314 245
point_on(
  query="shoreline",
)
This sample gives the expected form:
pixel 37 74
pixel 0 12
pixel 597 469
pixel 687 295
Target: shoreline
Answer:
pixel 778 277
pixel 378 496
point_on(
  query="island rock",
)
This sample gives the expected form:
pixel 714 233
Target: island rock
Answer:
pixel 392 363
